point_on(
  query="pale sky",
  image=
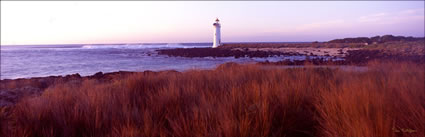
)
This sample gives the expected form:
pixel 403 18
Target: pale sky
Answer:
pixel 79 22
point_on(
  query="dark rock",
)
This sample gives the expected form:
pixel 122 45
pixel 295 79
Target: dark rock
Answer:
pixel 98 75
pixel 216 52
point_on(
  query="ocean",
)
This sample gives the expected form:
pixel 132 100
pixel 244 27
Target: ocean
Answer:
pixel 26 61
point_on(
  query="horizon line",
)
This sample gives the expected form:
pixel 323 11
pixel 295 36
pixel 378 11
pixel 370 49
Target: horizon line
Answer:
pixel 204 42
pixel 158 43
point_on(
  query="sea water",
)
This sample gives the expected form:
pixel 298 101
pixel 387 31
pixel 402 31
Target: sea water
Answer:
pixel 26 61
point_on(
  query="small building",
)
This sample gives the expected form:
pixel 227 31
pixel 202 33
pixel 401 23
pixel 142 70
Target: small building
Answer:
pixel 217 34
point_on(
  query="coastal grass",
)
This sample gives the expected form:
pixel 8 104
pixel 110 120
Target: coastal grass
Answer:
pixel 387 100
pixel 393 47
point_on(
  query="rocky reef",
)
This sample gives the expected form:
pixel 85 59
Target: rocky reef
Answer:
pixel 218 52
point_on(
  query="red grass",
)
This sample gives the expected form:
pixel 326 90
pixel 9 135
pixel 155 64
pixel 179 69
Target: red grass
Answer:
pixel 387 100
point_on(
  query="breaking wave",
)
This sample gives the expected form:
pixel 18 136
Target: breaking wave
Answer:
pixel 137 46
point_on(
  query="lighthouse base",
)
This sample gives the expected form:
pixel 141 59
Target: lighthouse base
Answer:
pixel 215 45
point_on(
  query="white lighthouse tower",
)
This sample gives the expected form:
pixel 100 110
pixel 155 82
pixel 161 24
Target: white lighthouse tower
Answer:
pixel 217 35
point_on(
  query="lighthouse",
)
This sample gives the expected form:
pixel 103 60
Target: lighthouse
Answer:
pixel 217 35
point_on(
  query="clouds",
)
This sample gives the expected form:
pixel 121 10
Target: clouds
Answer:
pixel 125 21
pixel 372 18
pixel 382 18
pixel 404 22
pixel 394 17
pixel 418 11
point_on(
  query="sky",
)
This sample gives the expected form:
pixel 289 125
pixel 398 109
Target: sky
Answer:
pixel 95 22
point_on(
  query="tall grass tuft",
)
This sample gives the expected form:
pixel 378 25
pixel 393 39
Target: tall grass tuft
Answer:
pixel 233 100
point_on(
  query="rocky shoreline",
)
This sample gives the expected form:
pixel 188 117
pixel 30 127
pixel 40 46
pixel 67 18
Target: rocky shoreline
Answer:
pixel 349 56
pixel 219 52
pixel 355 57
pixel 12 90
pixel 352 51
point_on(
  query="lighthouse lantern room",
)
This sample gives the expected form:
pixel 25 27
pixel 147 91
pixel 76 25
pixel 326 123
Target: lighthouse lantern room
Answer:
pixel 217 35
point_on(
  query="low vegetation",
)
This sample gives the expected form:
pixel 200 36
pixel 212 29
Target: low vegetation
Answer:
pixel 377 39
pixel 389 43
pixel 387 100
